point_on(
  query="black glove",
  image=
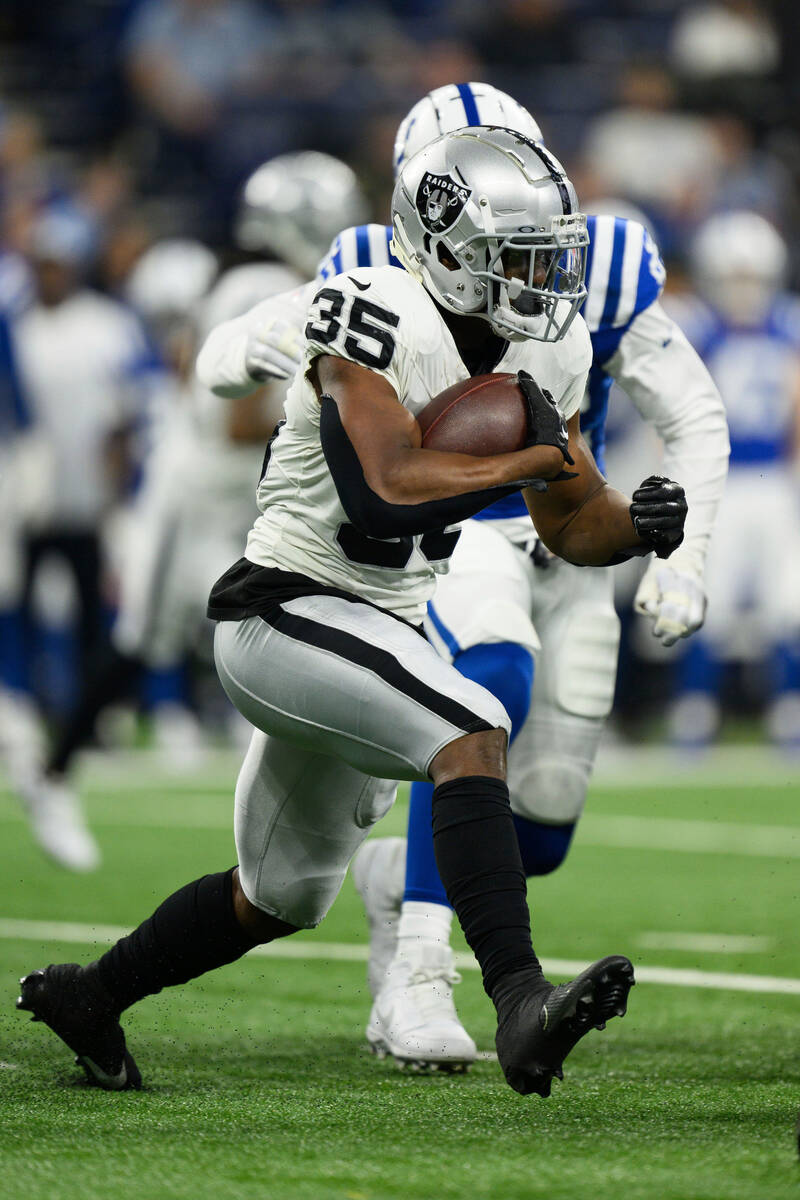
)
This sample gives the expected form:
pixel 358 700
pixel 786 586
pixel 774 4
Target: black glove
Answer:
pixel 546 424
pixel 658 512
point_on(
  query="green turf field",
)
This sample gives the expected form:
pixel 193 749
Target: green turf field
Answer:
pixel 257 1080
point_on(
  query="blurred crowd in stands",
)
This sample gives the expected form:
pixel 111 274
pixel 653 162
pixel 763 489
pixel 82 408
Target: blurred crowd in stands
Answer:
pixel 126 121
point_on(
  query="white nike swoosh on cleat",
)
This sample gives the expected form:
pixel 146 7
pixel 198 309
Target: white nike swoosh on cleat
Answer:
pixel 112 1082
pixel 546 1016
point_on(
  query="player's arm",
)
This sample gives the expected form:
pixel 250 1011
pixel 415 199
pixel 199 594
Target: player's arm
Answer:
pixel 673 391
pixel 252 419
pixel 391 487
pixel 587 522
pixel 264 343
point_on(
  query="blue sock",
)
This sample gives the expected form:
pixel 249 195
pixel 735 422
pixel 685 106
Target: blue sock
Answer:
pixel 786 668
pixel 700 669
pixel 164 685
pixel 13 650
pixel 543 847
pixel 505 670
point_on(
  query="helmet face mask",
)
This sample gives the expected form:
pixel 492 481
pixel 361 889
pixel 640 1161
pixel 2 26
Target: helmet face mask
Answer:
pixel 528 275
pixel 487 222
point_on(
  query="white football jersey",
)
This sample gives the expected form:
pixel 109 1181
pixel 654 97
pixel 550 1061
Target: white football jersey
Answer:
pixel 87 371
pixel 382 319
pixel 229 470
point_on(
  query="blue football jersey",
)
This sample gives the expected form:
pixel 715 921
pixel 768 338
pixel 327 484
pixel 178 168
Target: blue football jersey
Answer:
pixel 14 412
pixel 755 370
pixel 624 276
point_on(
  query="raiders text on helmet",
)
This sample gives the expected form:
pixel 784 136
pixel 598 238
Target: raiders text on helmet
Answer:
pixel 487 221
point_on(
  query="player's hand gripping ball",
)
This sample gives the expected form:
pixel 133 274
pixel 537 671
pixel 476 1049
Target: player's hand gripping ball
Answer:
pixel 487 414
pixel 495 414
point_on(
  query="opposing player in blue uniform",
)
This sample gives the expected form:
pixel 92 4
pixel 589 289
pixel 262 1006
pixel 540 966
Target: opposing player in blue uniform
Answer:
pixel 15 422
pixel 746 328
pixel 22 464
pixel 498 615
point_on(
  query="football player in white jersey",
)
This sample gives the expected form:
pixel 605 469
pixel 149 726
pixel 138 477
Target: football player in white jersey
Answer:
pixel 496 613
pixel 318 642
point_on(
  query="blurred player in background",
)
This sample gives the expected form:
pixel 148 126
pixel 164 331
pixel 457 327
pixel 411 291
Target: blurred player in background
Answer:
pixel 747 330
pixel 88 373
pixel 198 497
pixel 24 467
pixel 497 613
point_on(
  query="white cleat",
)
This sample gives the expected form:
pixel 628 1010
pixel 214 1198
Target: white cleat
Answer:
pixel 379 873
pixel 58 824
pixel 21 736
pixel 414 1018
pixel 178 737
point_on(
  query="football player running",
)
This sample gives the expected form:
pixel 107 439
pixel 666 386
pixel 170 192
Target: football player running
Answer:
pixel 497 613
pixel 318 640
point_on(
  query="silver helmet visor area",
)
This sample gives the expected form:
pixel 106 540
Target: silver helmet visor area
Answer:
pixel 535 281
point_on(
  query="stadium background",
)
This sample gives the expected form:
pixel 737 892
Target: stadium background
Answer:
pixel 141 120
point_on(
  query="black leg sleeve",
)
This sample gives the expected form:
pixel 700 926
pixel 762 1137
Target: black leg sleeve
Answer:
pixel 114 677
pixel 479 863
pixel 193 931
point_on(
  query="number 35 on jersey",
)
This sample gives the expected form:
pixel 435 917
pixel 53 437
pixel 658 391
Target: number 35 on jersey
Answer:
pixel 361 328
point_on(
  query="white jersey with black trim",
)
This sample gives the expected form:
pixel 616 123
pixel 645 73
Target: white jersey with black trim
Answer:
pixel 382 319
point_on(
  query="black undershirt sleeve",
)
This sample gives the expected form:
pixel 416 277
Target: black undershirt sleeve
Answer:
pixel 367 511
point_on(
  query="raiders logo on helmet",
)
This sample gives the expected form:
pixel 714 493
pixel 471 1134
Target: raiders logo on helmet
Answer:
pixel 440 200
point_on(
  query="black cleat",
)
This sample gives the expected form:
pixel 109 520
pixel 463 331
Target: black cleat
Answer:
pixel 539 1026
pixel 78 1009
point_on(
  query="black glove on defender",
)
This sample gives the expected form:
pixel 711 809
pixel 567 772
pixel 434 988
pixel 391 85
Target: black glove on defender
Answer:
pixel 658 512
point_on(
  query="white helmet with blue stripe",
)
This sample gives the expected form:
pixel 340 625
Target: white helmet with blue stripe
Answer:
pixel 458 106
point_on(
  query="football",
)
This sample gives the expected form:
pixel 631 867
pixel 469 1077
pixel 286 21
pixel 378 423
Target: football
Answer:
pixel 487 414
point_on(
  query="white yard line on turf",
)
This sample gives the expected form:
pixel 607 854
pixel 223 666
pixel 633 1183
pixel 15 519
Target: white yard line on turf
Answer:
pixel 705 943
pixel 596 829
pixel 699 837
pixel 87 935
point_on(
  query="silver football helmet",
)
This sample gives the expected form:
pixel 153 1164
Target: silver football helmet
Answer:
pixel 459 106
pixel 487 221
pixel 294 205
